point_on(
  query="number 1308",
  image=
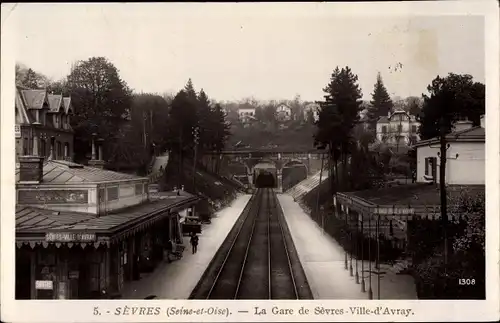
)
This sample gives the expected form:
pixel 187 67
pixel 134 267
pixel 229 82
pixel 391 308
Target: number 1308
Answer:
pixel 463 281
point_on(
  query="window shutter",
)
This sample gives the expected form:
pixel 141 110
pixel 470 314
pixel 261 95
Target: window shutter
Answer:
pixel 427 166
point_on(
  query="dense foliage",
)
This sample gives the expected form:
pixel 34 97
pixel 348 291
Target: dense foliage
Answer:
pixel 338 115
pixel 435 279
pixel 451 98
pixel 101 101
pixel 134 127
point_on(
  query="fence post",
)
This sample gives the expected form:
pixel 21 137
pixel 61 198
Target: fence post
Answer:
pixel 370 290
pixel 357 248
pixel 350 243
pixel 378 252
pixel 363 287
pixel 345 235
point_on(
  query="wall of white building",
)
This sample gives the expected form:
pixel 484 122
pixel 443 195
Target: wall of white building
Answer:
pixel 127 194
pixel 466 169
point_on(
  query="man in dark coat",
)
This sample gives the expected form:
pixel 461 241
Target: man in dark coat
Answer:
pixel 194 242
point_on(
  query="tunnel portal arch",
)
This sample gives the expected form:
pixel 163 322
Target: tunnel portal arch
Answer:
pixel 294 171
pixel 265 167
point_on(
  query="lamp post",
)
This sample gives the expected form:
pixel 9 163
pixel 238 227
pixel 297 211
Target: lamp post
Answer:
pixel 196 139
pixel 363 287
pixel 370 290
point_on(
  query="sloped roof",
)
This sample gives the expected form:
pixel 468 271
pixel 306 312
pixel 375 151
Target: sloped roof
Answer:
pixel 411 194
pixel 20 105
pixel 383 120
pixel 67 104
pixel 33 218
pixel 55 102
pixel 64 172
pixel 34 99
pixel 474 134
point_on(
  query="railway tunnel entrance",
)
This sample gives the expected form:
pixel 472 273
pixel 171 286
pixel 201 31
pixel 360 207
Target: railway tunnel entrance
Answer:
pixel 265 175
pixel 293 172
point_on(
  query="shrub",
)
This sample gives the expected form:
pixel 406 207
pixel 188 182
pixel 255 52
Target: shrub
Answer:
pixel 466 259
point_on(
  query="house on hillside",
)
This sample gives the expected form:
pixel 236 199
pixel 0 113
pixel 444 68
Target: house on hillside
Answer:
pixel 43 124
pixel 398 128
pixel 246 115
pixel 283 112
pixel 465 163
pixel 311 109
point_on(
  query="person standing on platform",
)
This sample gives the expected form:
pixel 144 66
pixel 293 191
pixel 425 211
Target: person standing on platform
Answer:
pixel 170 249
pixel 194 242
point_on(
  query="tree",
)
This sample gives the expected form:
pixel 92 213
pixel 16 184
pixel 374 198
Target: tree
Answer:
pixel 28 78
pixel 190 91
pixel 413 105
pixel 381 103
pixel 269 114
pixel 205 120
pixel 101 102
pixel 181 121
pixel 296 106
pixel 338 115
pixel 450 98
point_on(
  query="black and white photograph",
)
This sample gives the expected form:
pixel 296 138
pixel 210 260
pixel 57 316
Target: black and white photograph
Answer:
pixel 222 152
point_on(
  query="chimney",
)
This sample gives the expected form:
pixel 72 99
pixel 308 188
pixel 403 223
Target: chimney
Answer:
pixel 30 169
pixel 482 121
pixel 462 125
pixel 96 160
pixel 389 114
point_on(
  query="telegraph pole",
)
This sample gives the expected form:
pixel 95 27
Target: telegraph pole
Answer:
pixel 196 139
pixel 442 187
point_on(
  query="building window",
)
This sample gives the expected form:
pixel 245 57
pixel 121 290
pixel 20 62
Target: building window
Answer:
pixel 138 189
pixel 430 166
pixel 400 128
pixel 112 193
pixel 413 128
pixel 58 150
pixel 43 148
pixel 25 147
pixel 384 129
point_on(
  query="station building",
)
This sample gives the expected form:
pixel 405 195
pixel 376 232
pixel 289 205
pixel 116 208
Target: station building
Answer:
pixel 82 231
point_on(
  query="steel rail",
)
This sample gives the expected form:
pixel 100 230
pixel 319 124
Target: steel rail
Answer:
pixel 252 200
pixel 269 246
pixel 247 249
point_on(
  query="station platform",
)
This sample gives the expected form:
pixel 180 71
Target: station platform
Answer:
pixel 323 260
pixel 176 280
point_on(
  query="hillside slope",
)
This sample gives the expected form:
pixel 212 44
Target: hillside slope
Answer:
pixel 216 190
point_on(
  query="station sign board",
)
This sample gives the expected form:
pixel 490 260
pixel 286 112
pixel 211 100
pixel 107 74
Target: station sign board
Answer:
pixel 70 237
pixel 44 284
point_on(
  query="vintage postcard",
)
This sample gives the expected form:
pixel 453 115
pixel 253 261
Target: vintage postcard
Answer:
pixel 197 162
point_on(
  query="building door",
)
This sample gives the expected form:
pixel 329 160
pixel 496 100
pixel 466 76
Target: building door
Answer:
pixel 23 275
pixel 83 281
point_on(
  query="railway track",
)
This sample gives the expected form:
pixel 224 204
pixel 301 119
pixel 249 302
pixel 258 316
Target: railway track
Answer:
pixel 255 261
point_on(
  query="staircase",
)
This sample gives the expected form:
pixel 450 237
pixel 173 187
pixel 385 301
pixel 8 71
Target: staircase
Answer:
pixel 307 185
pixel 400 267
pixel 158 167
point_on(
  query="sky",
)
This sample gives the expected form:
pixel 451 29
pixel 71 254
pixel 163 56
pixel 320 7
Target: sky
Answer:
pixel 237 51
